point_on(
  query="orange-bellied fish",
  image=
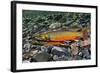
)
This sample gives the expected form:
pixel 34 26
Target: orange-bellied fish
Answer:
pixel 59 37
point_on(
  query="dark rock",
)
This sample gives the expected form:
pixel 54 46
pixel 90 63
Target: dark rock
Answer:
pixel 41 57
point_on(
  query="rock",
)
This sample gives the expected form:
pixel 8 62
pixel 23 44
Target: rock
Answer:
pixel 27 45
pixel 55 57
pixel 61 49
pixel 74 48
pixel 43 49
pixel 41 57
pixel 26 61
pixel 33 52
pixel 86 54
pixel 55 25
pixel 33 60
pixel 61 53
pixel 75 51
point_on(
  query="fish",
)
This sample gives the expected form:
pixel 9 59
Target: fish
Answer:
pixel 58 37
